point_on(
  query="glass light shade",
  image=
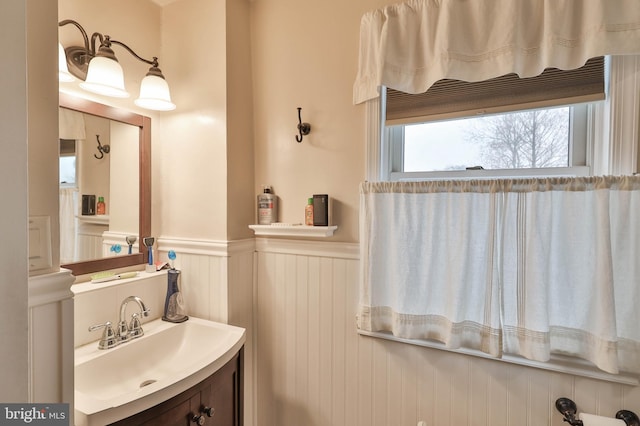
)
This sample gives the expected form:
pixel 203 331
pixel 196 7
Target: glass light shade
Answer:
pixel 105 77
pixel 63 71
pixel 154 94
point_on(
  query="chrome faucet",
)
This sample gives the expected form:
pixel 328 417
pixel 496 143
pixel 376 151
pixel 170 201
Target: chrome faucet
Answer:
pixel 134 328
pixel 110 338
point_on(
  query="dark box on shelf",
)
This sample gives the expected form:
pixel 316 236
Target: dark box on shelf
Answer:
pixel 88 204
pixel 320 210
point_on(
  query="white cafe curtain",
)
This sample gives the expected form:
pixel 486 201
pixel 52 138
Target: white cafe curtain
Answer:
pixel 528 267
pixel 71 124
pixel 411 45
pixel 68 224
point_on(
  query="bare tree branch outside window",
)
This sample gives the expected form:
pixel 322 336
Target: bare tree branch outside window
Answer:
pixel 527 139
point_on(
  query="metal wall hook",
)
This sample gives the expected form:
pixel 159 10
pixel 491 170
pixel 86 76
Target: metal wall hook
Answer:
pixel 303 128
pixel 102 149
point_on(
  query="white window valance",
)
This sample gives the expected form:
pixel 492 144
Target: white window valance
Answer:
pixel 528 267
pixel 410 46
pixel 71 124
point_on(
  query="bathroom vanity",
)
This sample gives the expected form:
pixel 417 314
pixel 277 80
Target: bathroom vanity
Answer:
pixel 175 374
pixel 217 400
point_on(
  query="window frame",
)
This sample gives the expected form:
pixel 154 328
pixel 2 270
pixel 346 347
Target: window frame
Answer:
pixel 579 143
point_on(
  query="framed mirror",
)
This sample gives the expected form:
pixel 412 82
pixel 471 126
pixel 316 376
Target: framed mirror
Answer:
pixel 143 124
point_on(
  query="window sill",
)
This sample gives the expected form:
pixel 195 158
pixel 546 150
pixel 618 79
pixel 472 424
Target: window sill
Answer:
pixel 291 230
pixel 560 364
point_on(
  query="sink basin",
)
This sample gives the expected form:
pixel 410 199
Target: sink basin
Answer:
pixel 170 358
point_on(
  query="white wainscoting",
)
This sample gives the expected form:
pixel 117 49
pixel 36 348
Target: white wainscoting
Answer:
pixel 217 284
pixel 313 369
pixel 51 338
pixel 89 240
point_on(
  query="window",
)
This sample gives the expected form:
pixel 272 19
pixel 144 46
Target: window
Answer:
pixel 610 129
pixel 549 141
pixel 68 162
pixel 506 126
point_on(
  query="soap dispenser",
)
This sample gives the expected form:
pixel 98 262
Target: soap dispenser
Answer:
pixel 173 303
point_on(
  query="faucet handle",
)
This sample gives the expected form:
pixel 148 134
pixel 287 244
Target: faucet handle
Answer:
pixel 108 339
pixel 122 334
pixel 135 328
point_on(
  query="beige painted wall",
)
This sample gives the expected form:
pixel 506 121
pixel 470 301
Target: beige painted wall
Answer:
pixel 28 118
pixel 93 174
pixel 241 206
pixel 312 367
pixel 202 153
pixel 305 54
pixel 189 164
pixel 43 121
pixel 122 207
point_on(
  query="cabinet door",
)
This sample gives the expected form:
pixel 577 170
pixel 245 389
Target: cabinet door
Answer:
pixel 218 399
pixel 222 397
pixel 177 411
pixel 178 415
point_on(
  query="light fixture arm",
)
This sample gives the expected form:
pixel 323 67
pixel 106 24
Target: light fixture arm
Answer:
pixel 78 57
pixel 79 27
pixel 153 62
pixel 101 73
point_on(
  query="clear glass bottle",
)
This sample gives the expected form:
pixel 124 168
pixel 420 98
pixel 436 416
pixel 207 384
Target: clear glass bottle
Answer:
pixel 308 213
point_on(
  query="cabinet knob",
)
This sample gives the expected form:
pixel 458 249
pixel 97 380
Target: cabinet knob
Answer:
pixel 209 411
pixel 198 419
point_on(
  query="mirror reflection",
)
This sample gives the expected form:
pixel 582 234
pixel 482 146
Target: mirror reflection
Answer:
pixel 99 171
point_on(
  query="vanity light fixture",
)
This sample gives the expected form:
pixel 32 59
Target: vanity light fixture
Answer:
pixel 63 71
pixel 101 73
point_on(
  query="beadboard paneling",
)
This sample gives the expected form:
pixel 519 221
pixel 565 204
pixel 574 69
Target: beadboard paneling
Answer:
pixel 217 284
pixel 50 342
pixel 313 369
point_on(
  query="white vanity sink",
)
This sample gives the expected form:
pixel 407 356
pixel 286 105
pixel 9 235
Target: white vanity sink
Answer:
pixel 116 383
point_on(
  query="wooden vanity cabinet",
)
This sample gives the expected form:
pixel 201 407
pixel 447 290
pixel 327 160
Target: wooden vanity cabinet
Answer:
pixel 216 401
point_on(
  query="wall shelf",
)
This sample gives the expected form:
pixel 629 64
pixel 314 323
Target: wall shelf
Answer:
pixel 290 230
pixel 98 219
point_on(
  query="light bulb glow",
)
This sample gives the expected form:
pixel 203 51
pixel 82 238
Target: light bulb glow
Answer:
pixel 154 94
pixel 63 71
pixel 105 77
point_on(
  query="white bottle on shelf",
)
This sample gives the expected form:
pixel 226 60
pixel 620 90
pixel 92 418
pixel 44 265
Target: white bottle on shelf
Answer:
pixel 267 207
